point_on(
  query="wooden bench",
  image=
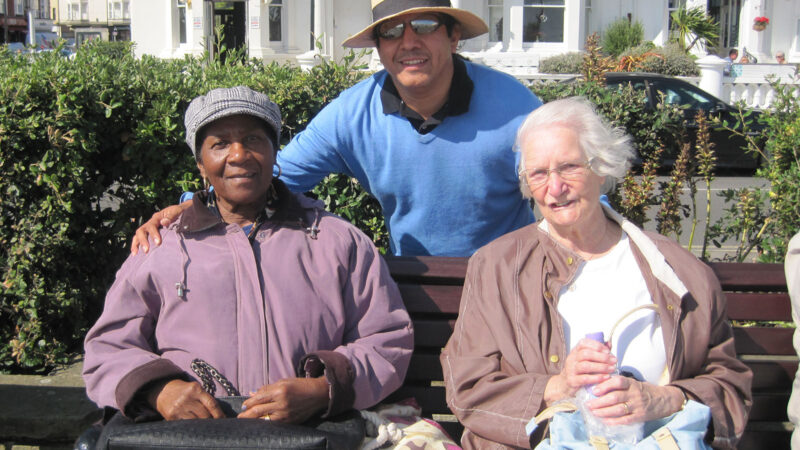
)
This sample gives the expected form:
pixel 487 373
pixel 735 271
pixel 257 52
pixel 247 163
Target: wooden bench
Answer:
pixel 431 288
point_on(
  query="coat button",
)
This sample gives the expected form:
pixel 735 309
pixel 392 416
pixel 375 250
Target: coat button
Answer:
pixel 553 359
pixel 670 307
pixel 570 260
pixel 548 295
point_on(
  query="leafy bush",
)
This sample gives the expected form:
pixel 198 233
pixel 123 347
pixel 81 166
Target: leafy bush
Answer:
pixel 782 169
pixel 622 35
pixel 645 57
pixel 667 60
pixel 769 229
pixel 564 63
pixel 88 147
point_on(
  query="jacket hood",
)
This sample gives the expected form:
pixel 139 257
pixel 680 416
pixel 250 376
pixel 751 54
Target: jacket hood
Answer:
pixel 655 259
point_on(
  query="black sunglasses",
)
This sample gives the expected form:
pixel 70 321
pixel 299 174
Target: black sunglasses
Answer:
pixel 420 26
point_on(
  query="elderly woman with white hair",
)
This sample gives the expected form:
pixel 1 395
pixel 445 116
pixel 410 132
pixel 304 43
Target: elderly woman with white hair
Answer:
pixel 532 295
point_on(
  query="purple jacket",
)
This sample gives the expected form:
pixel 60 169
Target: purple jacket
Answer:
pixel 311 289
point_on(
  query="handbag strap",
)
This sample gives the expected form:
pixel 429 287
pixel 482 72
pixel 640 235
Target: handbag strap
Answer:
pixel 598 442
pixel 625 316
pixel 664 439
pixel 551 411
pixel 207 374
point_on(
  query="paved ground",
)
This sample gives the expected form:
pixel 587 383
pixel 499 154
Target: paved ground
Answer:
pixel 717 210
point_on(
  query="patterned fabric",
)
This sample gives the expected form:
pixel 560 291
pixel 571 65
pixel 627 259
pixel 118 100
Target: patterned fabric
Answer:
pixel 249 230
pixel 399 426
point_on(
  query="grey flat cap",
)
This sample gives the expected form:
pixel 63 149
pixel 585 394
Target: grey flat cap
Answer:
pixel 224 102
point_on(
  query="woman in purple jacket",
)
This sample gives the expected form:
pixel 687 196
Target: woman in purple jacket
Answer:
pixel 291 304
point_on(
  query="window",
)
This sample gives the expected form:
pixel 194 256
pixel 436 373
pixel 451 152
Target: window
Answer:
pixel 275 21
pixel 19 7
pixel 495 20
pixel 2 7
pixel 182 21
pixel 119 10
pixel 78 10
pixel 543 21
pixel 84 37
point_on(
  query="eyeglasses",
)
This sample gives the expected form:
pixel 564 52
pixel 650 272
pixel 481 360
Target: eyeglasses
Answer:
pixel 420 26
pixel 568 171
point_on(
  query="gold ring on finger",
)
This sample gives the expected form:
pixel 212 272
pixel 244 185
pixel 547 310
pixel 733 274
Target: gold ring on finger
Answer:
pixel 627 408
pixel 266 417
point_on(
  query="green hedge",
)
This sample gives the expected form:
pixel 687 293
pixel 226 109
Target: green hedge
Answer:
pixel 91 146
pixel 88 148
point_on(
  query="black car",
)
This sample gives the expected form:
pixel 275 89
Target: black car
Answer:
pixel 731 150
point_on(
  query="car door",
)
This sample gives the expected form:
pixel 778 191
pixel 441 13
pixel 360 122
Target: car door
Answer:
pixel 729 147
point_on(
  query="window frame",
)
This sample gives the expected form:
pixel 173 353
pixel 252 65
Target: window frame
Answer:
pixel 81 8
pixel 183 28
pixel 540 4
pixel 495 5
pixel 266 25
pixel 282 22
pixel 513 26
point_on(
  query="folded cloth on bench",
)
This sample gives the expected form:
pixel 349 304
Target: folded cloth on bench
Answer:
pixel 401 425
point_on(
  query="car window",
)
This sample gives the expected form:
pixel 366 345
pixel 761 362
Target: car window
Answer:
pixel 679 95
pixel 638 85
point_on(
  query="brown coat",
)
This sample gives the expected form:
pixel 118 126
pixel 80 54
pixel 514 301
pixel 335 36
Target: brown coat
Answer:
pixel 509 340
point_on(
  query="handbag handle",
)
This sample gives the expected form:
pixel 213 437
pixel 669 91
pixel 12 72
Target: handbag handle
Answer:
pixel 625 316
pixel 663 437
pixel 207 374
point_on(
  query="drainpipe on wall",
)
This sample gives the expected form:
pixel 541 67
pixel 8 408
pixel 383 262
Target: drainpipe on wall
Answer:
pixel 31 29
pixel 5 28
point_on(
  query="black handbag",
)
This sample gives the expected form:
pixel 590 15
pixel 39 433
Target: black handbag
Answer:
pixel 343 432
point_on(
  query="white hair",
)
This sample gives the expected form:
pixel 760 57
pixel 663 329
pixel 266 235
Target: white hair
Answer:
pixel 609 148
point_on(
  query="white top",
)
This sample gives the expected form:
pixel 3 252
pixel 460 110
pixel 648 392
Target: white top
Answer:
pixel 603 291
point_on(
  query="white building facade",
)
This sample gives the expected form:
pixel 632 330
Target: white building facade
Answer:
pixel 521 31
pixel 86 20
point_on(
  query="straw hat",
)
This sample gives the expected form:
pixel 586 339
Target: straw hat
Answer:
pixel 382 10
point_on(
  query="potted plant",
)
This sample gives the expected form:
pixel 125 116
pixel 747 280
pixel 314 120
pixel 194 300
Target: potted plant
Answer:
pixel 760 23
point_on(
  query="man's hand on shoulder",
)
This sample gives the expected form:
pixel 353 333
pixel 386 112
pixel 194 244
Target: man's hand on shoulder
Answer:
pixel 151 228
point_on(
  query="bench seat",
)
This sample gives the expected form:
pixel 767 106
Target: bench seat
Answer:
pixel 431 289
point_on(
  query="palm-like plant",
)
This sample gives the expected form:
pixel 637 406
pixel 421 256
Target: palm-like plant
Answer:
pixel 691 25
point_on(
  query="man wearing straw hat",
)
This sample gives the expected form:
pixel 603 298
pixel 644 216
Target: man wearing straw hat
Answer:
pixel 430 136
